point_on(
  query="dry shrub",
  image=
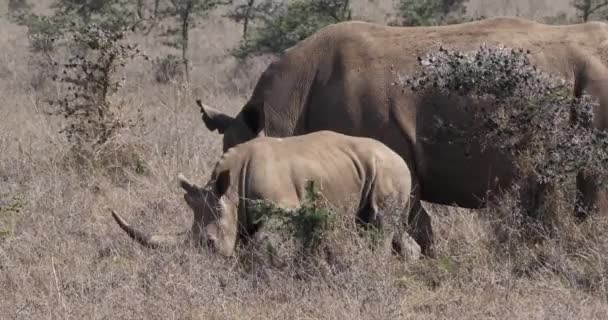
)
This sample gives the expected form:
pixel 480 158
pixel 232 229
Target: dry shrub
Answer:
pixel 87 82
pixel 168 69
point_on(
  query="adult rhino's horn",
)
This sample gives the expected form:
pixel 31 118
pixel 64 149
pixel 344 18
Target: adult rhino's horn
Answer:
pixel 145 240
pixel 214 119
pixel 187 185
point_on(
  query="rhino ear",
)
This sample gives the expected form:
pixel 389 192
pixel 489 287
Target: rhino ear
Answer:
pixel 254 118
pixel 188 186
pixel 214 119
pixel 222 182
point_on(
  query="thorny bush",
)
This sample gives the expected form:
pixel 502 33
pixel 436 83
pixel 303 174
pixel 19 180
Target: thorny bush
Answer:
pixel 529 114
pixel 89 81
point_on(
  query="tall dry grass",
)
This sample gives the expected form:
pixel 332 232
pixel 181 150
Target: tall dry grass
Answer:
pixel 62 256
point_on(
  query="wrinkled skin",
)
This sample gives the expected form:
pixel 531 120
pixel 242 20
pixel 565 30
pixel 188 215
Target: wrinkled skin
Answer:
pixel 343 77
pixel 277 170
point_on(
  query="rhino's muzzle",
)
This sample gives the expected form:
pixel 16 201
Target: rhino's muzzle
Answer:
pixel 145 240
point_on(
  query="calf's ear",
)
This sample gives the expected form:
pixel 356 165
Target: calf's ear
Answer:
pixel 187 185
pixel 222 182
pixel 214 119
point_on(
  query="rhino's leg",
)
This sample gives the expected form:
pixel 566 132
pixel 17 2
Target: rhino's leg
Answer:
pixel 590 197
pixel 419 227
pixel 540 208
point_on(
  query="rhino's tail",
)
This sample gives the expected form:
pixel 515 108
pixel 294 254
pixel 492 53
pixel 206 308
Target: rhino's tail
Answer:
pixel 145 240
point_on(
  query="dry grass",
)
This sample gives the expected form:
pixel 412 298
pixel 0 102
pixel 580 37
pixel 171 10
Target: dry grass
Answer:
pixel 62 256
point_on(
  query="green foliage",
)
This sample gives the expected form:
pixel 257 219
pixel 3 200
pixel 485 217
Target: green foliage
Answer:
pixel 9 206
pixel 89 82
pixel 42 31
pixel 282 26
pixel 430 12
pixel 519 110
pixel 140 167
pixel 108 14
pixel 308 224
pixel 71 16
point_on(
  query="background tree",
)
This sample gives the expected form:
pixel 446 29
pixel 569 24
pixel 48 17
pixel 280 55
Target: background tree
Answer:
pixel 250 11
pixel 429 12
pixel 69 15
pixel 586 8
pixel 184 13
pixel 89 82
pixel 15 6
pixel 283 25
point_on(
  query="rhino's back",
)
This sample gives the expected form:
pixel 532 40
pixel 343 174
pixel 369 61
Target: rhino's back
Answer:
pixel 344 167
pixel 342 78
pixel 353 69
pixel 356 44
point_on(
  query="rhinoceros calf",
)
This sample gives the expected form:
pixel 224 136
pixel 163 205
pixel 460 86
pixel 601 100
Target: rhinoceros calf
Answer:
pixel 277 170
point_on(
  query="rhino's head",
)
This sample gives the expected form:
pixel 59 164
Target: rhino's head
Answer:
pixel 215 217
pixel 247 125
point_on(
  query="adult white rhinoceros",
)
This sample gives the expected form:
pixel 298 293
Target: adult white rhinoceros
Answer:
pixel 346 168
pixel 341 79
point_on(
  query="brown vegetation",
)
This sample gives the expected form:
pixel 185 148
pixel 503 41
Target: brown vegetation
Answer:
pixel 62 255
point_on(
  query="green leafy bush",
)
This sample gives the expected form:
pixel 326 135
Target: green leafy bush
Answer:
pixel 10 205
pixel 285 25
pixel 308 224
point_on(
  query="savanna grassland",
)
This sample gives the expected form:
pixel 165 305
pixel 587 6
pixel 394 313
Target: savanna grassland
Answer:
pixel 63 257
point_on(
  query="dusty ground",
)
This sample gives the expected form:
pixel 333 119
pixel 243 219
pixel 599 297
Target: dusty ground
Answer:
pixel 62 256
